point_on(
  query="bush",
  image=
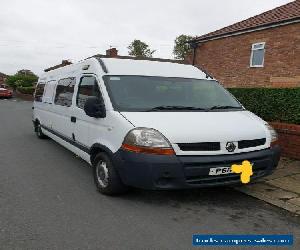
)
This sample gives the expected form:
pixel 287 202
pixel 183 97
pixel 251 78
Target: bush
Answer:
pixel 26 90
pixel 21 80
pixel 282 105
pixel 21 83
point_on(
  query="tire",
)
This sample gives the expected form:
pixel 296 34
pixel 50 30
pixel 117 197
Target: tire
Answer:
pixel 106 177
pixel 38 131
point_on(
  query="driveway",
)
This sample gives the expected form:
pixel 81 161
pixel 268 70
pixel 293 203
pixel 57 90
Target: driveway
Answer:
pixel 48 201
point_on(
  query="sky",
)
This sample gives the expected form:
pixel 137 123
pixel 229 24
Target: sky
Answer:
pixel 37 34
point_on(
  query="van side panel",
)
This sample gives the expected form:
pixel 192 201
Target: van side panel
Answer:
pixel 80 135
pixel 85 156
pixel 110 131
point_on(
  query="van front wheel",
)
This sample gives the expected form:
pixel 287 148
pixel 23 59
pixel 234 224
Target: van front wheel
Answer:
pixel 106 177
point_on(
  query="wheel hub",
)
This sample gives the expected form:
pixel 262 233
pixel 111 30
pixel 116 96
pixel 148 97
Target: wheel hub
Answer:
pixel 102 173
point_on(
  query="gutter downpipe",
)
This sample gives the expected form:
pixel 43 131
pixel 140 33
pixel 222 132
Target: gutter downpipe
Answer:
pixel 194 47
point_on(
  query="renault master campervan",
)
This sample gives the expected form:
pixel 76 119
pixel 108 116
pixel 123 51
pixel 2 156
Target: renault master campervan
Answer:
pixel 152 125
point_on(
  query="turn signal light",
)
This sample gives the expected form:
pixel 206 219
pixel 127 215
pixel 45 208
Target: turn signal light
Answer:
pixel 148 150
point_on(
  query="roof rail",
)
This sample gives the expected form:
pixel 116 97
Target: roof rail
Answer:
pixel 103 66
pixel 140 58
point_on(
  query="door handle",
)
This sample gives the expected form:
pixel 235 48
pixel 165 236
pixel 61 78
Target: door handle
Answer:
pixel 73 119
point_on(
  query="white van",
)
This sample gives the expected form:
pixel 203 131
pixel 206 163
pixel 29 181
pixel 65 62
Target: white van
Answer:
pixel 152 125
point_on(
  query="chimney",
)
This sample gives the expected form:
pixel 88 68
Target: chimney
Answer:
pixel 112 52
pixel 65 62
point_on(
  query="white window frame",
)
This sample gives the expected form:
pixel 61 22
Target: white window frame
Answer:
pixel 263 47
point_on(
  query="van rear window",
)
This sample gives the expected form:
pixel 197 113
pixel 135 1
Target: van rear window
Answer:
pixel 39 91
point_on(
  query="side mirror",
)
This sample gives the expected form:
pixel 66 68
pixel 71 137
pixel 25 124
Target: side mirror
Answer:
pixel 94 107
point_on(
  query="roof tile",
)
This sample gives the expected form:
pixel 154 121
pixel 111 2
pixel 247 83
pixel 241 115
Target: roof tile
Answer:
pixel 282 13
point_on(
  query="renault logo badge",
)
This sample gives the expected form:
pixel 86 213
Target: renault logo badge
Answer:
pixel 230 147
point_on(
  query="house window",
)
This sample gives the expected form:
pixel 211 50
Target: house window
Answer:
pixel 257 55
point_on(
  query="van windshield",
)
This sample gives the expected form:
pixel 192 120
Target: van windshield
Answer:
pixel 150 93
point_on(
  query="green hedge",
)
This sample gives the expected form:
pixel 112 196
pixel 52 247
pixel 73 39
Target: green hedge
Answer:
pixel 282 105
pixel 26 90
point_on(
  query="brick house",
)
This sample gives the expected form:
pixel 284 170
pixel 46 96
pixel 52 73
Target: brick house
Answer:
pixel 2 78
pixel 263 50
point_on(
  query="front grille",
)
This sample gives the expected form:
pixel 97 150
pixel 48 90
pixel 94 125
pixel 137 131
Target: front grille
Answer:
pixel 215 146
pixel 201 146
pixel 196 169
pixel 223 178
pixel 258 171
pixel 251 143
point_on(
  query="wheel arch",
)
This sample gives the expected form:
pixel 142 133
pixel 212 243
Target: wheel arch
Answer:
pixel 99 148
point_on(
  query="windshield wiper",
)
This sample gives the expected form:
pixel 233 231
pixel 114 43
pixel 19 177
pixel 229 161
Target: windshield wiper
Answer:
pixel 174 108
pixel 223 107
pixel 169 107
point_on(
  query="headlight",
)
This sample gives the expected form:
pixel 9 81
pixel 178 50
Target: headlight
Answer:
pixel 147 140
pixel 273 133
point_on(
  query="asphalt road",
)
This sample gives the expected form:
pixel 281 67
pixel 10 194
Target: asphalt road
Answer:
pixel 48 201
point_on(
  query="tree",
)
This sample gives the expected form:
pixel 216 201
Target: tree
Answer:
pixel 22 79
pixel 25 72
pixel 181 47
pixel 140 49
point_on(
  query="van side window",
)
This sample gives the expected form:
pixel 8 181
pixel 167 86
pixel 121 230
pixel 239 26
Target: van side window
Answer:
pixel 39 91
pixel 49 91
pixel 64 91
pixel 88 86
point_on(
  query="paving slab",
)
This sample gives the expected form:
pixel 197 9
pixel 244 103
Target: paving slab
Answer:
pixel 279 173
pixel 295 201
pixel 285 200
pixel 281 189
pixel 287 183
pixel 271 191
pixel 296 177
pixel 285 162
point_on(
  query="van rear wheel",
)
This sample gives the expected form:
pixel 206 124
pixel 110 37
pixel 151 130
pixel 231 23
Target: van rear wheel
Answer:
pixel 106 177
pixel 38 131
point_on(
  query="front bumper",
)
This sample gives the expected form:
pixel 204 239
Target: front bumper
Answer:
pixel 181 172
